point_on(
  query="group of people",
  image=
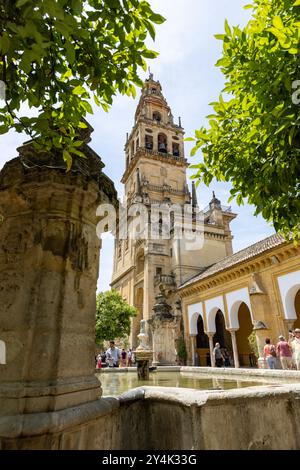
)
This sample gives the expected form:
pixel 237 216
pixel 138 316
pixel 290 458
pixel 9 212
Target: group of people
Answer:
pixel 221 356
pixel 115 357
pixel 288 352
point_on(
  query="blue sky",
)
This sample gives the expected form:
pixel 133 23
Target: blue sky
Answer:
pixel 190 81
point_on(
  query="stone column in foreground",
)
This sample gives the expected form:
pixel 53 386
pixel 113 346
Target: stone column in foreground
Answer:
pixel 211 348
pixel 235 348
pixel 49 260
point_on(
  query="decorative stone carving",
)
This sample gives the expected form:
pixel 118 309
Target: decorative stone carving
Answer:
pixel 143 354
pixel 255 287
pixel 143 338
pixel 260 329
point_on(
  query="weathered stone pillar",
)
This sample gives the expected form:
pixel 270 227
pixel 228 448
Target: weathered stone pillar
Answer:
pixel 211 349
pixel 49 260
pixel 193 349
pixel 165 330
pixel 235 349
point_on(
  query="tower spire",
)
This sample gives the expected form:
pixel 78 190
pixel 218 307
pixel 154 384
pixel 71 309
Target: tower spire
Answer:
pixel 150 74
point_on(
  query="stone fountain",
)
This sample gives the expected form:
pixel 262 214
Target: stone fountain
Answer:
pixel 143 354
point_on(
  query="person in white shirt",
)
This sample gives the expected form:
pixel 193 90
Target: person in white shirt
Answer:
pixel 295 345
pixel 113 353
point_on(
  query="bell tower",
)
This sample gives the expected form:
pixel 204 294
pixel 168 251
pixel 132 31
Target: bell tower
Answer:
pixel 155 162
pixel 155 175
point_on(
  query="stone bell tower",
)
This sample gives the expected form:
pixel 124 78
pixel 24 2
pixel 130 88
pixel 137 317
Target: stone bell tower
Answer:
pixel 155 175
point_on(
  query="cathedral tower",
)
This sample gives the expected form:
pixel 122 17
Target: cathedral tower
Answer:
pixel 155 174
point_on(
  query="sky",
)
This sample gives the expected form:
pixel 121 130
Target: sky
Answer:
pixel 186 70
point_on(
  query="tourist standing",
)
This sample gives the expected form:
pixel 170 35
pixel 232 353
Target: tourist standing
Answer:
pixel 270 354
pixel 295 345
pixel 226 356
pixel 219 358
pixel 99 361
pixel 129 358
pixel 110 360
pixel 123 358
pixel 114 353
pixel 284 353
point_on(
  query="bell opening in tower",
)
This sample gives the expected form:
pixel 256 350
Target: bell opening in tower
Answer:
pixel 156 116
pixel 162 143
pixel 149 142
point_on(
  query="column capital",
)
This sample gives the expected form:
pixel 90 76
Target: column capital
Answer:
pixel 232 330
pixel 210 334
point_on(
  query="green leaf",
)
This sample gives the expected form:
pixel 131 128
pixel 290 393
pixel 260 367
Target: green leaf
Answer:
pixel 96 99
pixel 25 63
pixel 78 143
pixel 4 44
pixel 82 125
pixel 20 3
pixel 70 52
pixel 227 28
pixel 220 36
pixel 79 90
pixel 77 152
pixel 156 18
pixel 150 54
pixel 151 30
pixel 86 105
pixel 277 22
pixel 68 159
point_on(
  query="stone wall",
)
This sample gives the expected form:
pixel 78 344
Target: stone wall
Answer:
pixel 49 264
pixel 154 418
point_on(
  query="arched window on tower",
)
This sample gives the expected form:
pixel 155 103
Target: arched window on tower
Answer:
pixel 156 116
pixel 149 142
pixel 162 143
pixel 153 91
pixel 175 149
pixel 132 149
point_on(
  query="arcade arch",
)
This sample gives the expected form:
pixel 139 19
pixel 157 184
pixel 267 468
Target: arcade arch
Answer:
pixel 245 328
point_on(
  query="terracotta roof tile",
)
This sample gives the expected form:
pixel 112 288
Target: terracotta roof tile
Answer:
pixel 243 255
